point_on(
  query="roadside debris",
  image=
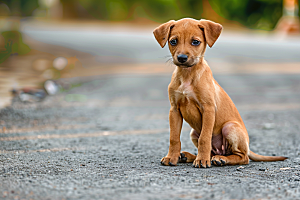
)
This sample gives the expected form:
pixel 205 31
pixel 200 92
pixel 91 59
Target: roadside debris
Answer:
pixel 60 63
pixel 240 168
pixel 269 126
pixel 51 87
pixel 37 94
pixel 285 168
pixel 55 73
pixel 30 94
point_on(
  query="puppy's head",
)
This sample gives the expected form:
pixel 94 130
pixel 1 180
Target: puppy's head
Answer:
pixel 187 39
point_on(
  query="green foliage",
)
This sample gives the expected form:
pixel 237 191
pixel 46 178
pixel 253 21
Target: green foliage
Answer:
pixel 162 10
pixel 158 10
pixel 28 7
pixel 14 38
pixel 13 45
pixel 7 52
pixel 257 14
pixel 21 7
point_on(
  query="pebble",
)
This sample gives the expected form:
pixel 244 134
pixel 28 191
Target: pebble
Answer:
pixel 239 168
pixel 269 126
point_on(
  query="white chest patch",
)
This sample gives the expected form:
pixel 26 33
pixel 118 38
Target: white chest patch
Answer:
pixel 185 90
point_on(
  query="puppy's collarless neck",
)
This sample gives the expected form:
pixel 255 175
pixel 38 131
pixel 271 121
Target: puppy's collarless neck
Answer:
pixel 191 73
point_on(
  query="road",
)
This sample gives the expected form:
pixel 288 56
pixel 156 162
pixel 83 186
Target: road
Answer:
pixel 104 137
pixel 125 44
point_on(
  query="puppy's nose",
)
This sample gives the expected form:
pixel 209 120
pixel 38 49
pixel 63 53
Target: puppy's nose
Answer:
pixel 182 58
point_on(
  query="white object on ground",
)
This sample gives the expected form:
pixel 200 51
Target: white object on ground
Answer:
pixel 51 87
pixel 60 63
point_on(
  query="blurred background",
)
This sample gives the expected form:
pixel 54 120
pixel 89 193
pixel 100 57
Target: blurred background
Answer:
pixel 49 46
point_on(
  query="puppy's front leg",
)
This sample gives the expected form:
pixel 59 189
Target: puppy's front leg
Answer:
pixel 175 120
pixel 204 141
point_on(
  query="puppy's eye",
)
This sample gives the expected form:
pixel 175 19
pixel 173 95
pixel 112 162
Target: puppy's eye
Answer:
pixel 195 42
pixel 173 42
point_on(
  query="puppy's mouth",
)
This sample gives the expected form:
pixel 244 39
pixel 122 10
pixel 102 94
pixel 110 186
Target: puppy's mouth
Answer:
pixel 185 65
pixel 192 61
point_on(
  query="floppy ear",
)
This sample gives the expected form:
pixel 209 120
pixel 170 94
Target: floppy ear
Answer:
pixel 211 29
pixel 162 32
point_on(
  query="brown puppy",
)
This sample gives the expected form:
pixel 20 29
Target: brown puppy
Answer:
pixel 218 131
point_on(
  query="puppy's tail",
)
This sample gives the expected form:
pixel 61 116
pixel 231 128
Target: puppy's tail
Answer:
pixel 256 157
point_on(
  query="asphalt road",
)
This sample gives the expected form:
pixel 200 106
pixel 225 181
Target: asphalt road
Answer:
pixel 133 44
pixel 104 140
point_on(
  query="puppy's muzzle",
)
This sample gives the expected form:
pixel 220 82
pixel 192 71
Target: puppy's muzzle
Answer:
pixel 182 58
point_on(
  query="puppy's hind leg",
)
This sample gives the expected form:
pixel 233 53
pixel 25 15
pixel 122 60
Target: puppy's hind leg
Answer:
pixel 186 157
pixel 194 137
pixel 235 144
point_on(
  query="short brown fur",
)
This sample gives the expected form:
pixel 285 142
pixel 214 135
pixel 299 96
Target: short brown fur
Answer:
pixel 218 131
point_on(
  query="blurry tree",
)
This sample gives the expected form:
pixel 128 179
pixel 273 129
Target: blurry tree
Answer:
pixel 4 9
pixel 70 9
pixel 107 9
pixel 157 10
pixel 13 45
pixel 162 10
pixel 258 14
pixel 21 7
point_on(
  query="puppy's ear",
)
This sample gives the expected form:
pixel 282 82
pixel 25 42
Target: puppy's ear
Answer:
pixel 211 29
pixel 162 32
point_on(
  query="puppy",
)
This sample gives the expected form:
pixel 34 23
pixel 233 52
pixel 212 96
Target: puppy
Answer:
pixel 218 131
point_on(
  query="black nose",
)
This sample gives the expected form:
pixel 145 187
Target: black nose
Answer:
pixel 182 58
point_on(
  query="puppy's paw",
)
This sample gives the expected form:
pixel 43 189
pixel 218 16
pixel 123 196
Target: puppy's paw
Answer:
pixel 186 157
pixel 169 161
pixel 202 162
pixel 182 158
pixel 218 160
